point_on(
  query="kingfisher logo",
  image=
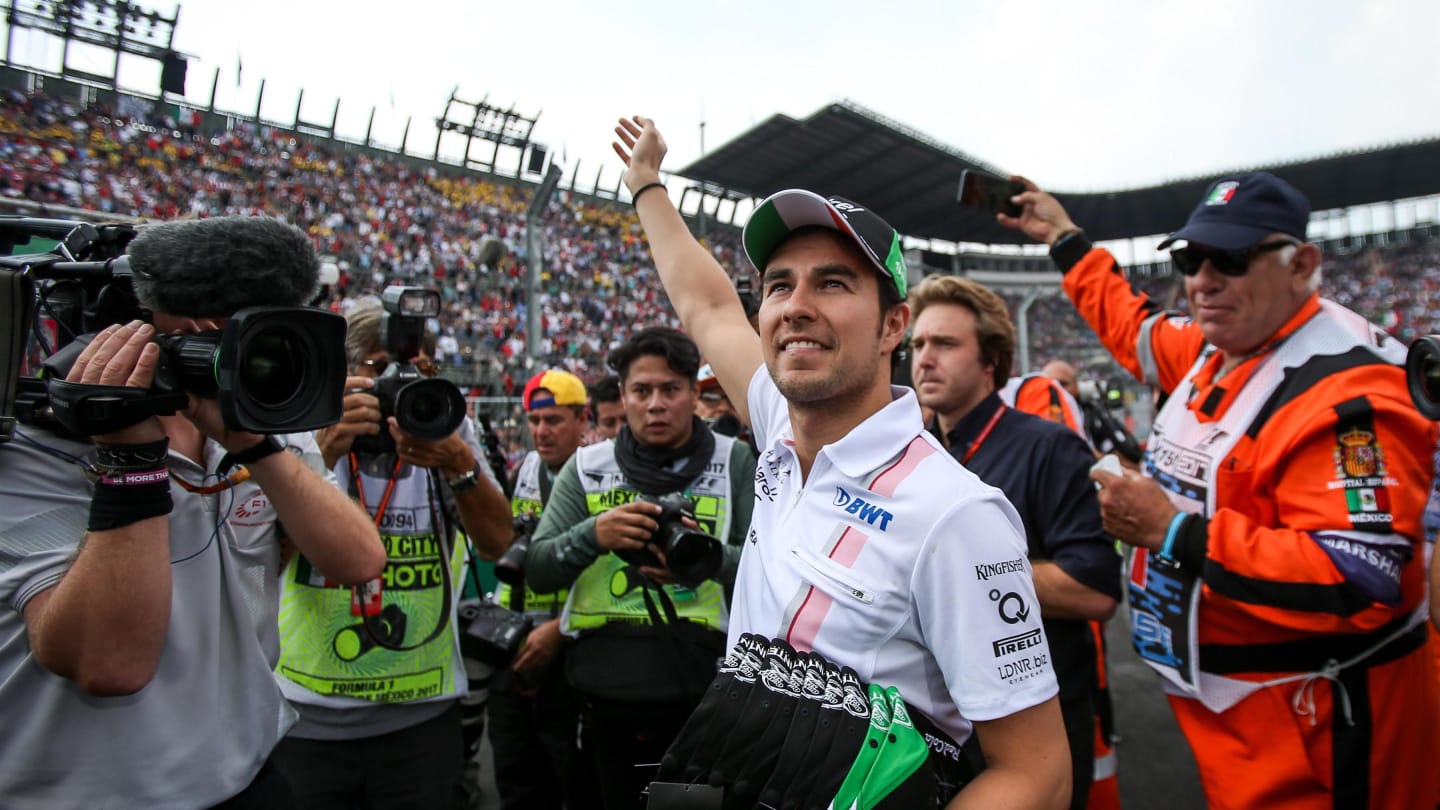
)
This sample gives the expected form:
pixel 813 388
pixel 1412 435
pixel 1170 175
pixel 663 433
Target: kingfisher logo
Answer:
pixel 863 509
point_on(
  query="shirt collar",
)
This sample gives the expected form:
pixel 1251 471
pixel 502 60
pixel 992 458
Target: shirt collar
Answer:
pixel 968 428
pixel 1210 399
pixel 876 440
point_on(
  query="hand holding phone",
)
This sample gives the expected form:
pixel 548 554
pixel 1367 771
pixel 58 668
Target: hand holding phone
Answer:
pixel 984 190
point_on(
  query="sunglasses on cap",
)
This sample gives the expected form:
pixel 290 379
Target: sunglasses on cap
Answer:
pixel 1228 262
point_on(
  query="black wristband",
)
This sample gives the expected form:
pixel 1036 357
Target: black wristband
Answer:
pixel 126 498
pixel 130 457
pixel 635 197
pixel 1069 249
pixel 267 446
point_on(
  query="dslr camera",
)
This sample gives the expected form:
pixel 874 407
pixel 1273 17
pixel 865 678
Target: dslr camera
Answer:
pixel 273 369
pixel 1103 425
pixel 1422 373
pixel 510 568
pixel 426 407
pixel 691 555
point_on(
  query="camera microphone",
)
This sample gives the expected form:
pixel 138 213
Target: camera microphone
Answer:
pixel 212 268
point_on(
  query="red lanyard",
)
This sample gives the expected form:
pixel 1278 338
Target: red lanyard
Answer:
pixel 984 434
pixel 360 487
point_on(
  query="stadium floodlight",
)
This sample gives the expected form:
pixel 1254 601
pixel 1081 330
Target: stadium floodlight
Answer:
pixel 119 27
pixel 485 122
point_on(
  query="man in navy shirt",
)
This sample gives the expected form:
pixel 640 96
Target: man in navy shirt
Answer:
pixel 963 345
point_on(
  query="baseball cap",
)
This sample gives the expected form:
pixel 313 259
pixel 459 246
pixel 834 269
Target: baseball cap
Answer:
pixel 787 211
pixel 553 388
pixel 706 378
pixel 1237 212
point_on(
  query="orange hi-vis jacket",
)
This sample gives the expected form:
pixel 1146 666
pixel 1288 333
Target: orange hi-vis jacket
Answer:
pixel 1046 398
pixel 1289 621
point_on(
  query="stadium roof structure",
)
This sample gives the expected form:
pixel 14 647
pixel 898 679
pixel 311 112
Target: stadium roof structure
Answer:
pixel 846 150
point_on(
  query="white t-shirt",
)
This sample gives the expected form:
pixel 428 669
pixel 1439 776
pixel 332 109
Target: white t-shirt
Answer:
pixel 894 560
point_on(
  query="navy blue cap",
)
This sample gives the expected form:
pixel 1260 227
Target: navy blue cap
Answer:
pixel 1238 212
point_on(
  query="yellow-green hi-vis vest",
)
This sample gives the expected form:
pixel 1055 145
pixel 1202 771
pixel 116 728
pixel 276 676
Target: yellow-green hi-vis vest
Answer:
pixel 527 499
pixel 324 647
pixel 609 590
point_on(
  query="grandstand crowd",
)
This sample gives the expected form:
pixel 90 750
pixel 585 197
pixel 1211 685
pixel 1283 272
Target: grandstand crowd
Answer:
pixel 389 219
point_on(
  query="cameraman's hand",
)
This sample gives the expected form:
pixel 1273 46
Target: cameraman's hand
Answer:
pixel 122 355
pixel 361 417
pixel 642 149
pixel 662 575
pixel 539 648
pixel 204 413
pixel 1043 218
pixel 450 455
pixel 627 526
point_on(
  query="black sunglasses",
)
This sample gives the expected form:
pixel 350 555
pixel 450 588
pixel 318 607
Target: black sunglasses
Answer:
pixel 1228 262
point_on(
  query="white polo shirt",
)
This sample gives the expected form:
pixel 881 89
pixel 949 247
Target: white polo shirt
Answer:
pixel 894 560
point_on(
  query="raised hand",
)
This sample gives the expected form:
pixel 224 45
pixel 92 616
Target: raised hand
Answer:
pixel 1042 217
pixel 642 148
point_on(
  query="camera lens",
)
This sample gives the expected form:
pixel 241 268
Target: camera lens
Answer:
pixel 1422 372
pixel 270 369
pixel 429 409
pixel 691 556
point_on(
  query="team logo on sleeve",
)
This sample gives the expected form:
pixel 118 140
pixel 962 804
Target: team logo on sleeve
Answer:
pixel 1011 606
pixel 1360 471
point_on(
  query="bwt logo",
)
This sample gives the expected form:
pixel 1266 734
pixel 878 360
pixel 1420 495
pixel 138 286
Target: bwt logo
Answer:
pixel 862 509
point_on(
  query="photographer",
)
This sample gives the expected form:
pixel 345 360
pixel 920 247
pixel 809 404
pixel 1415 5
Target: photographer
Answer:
pixel 638 672
pixel 606 410
pixel 376 674
pixel 532 711
pixel 125 628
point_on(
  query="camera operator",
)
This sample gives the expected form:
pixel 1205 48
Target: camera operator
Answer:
pixel 125 629
pixel 636 672
pixel 376 674
pixel 606 410
pixel 532 711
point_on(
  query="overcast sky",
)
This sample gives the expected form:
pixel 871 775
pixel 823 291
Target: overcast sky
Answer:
pixel 1077 95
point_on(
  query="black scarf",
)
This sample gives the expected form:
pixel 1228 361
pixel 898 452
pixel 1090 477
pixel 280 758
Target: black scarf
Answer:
pixel 648 468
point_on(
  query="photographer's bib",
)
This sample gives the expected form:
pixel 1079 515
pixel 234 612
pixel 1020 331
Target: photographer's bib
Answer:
pixel 610 589
pixel 329 657
pixel 529 499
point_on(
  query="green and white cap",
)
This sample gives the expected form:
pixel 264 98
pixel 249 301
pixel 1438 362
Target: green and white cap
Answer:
pixel 787 211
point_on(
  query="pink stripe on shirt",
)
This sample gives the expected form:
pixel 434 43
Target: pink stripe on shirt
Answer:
pixel 806 624
pixel 847 548
pixel 888 481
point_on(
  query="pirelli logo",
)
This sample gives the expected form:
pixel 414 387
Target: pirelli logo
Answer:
pixel 1014 644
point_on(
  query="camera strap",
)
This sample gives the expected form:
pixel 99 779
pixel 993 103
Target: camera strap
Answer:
pixel 15 306
pixel 369 602
pixel 665 627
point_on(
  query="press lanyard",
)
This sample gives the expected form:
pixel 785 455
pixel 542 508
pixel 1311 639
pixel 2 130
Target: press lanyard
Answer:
pixel 360 487
pixel 365 599
pixel 984 434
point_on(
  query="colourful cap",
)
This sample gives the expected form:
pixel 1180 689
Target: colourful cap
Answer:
pixel 786 211
pixel 550 388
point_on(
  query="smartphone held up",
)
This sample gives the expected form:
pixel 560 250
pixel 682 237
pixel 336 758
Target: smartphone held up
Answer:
pixel 984 190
